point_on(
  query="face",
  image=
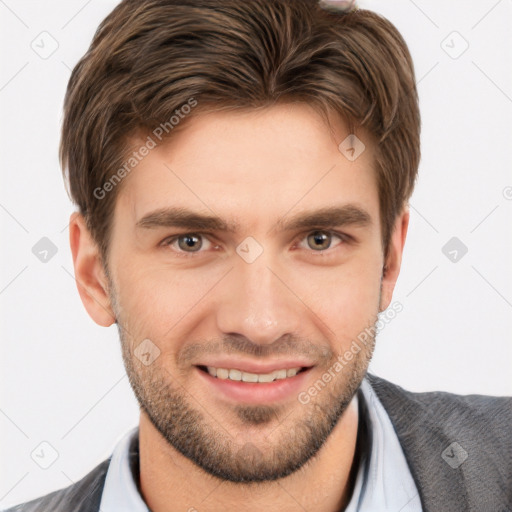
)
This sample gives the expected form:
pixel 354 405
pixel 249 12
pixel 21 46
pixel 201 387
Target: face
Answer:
pixel 245 259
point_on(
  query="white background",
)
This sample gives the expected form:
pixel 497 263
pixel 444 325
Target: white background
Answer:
pixel 62 378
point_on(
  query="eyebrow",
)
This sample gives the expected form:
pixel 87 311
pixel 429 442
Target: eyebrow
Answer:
pixel 345 215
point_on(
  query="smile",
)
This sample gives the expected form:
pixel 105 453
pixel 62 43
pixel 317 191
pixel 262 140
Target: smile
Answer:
pixel 242 376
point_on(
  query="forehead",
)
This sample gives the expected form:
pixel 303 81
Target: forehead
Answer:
pixel 252 165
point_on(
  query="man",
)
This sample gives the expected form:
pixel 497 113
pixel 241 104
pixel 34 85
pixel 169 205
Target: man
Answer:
pixel 242 172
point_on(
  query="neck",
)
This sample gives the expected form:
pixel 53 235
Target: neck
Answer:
pixel 169 481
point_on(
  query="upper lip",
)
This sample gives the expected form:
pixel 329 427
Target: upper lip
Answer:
pixel 255 366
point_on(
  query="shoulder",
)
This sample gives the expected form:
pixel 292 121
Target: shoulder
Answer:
pixel 477 413
pixel 458 447
pixel 82 496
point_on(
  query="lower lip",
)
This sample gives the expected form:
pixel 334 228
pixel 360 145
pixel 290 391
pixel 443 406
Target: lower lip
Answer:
pixel 255 392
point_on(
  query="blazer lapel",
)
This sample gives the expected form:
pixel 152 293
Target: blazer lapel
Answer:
pixel 427 446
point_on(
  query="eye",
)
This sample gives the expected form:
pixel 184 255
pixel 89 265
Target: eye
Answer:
pixel 318 241
pixel 322 240
pixel 188 242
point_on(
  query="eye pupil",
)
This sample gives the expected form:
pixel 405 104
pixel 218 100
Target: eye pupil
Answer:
pixel 320 240
pixel 188 242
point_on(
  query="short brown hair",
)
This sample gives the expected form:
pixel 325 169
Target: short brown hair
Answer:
pixel 148 58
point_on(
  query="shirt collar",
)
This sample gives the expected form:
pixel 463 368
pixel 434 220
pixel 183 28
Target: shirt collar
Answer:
pixel 384 481
pixel 121 489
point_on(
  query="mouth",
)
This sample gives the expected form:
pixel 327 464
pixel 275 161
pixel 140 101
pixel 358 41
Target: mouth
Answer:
pixel 238 375
pixel 266 386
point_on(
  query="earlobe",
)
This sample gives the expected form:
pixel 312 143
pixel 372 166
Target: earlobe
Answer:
pixel 90 278
pixel 393 261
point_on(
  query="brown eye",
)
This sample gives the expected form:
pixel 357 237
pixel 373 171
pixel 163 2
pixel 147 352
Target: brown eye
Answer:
pixel 319 240
pixel 189 243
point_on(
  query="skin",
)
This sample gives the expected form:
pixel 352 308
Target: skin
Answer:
pixel 255 168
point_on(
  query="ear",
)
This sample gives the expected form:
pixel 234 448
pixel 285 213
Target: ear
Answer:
pixel 90 276
pixel 394 259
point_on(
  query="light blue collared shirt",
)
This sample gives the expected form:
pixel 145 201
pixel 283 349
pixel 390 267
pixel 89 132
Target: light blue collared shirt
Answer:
pixel 383 484
pixel 120 493
pixel 384 481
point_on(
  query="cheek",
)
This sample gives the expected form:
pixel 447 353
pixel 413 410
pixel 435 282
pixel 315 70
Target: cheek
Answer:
pixel 346 300
pixel 158 301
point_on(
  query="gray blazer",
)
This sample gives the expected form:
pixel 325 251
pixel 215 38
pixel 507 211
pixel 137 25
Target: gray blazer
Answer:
pixel 459 451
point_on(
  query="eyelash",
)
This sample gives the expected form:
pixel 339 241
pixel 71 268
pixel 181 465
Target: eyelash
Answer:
pixel 344 238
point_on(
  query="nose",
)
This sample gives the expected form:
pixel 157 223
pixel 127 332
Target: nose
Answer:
pixel 256 301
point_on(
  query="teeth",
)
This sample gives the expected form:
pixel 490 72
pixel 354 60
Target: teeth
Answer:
pixel 233 374
pixel 222 373
pixel 267 377
pixel 280 374
pixel 249 377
